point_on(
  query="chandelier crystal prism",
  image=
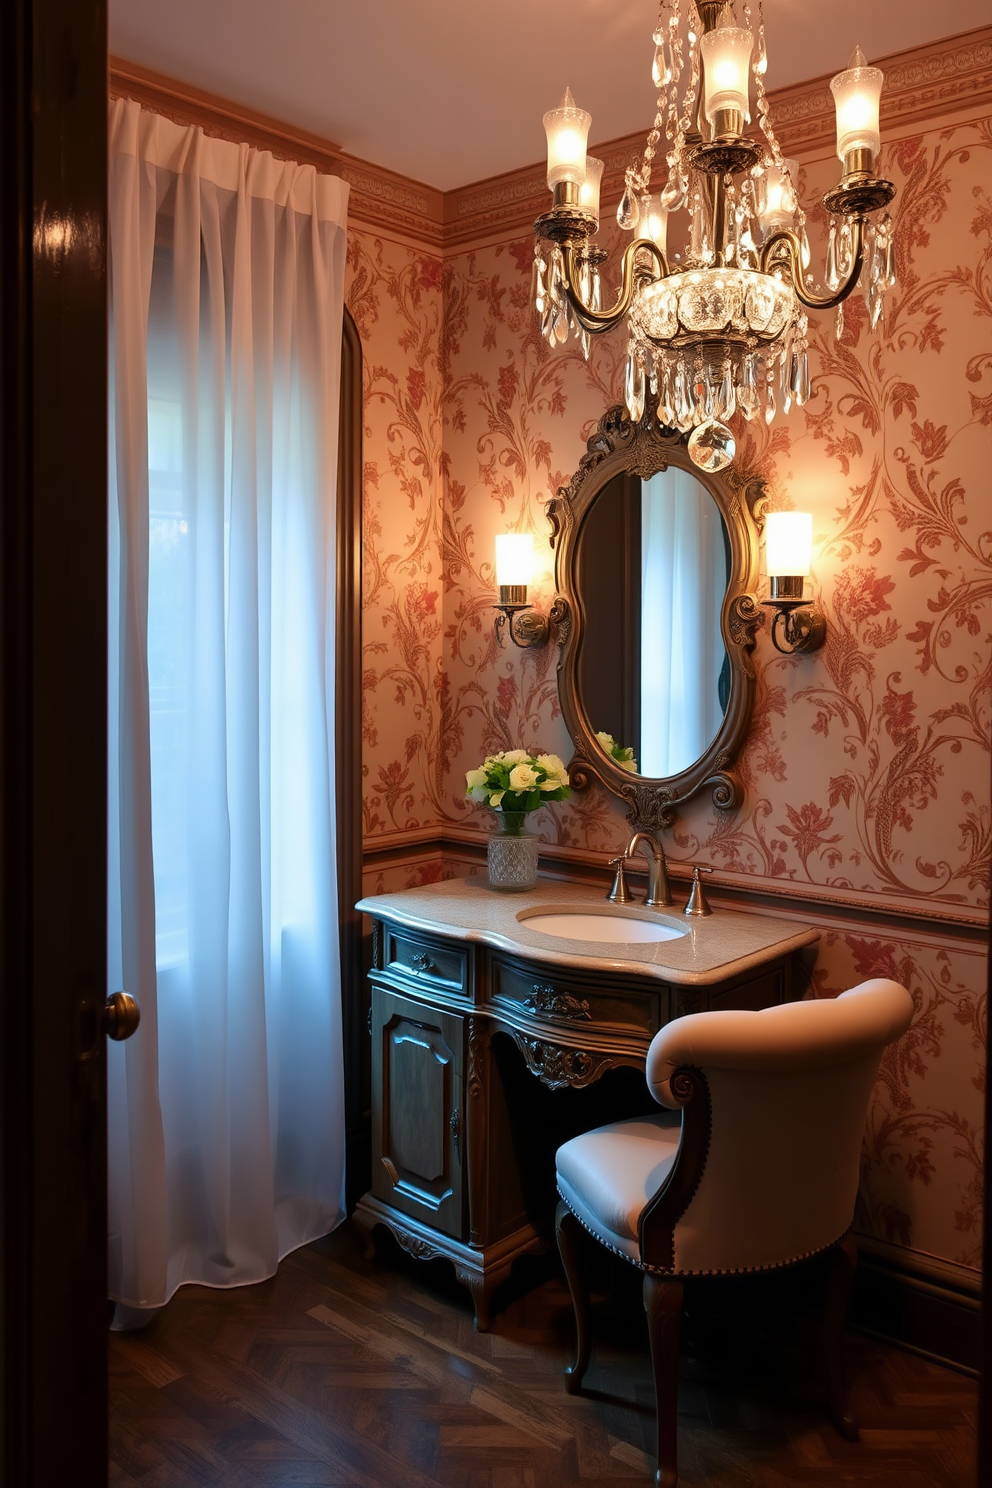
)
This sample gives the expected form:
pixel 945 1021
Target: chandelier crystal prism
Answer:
pixel 719 326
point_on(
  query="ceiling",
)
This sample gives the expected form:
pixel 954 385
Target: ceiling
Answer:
pixel 449 92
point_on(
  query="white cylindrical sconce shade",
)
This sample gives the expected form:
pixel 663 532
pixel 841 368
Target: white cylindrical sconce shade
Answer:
pixel 514 559
pixel 567 128
pixel 589 190
pixel 653 221
pixel 778 207
pixel 726 54
pixel 856 94
pixel 788 544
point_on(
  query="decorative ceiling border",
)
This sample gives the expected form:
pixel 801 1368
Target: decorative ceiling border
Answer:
pixel 924 83
pixel 921 84
pixel 379 198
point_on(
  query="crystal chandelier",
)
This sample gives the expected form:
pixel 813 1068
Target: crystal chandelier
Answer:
pixel 720 326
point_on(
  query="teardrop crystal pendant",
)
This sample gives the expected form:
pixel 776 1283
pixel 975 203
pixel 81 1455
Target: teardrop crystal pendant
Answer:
pixel 634 387
pixel 799 376
pixel 712 446
pixel 839 327
pixel 725 393
pixel 540 290
pixel 748 400
pixel 683 404
pixel 831 276
pixel 627 211
pixel 666 399
pixel 673 194
pixel 769 397
pixel 661 73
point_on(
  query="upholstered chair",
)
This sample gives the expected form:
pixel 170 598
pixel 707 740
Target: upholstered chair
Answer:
pixel 753 1166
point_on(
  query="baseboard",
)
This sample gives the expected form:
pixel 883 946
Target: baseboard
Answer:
pixel 929 1306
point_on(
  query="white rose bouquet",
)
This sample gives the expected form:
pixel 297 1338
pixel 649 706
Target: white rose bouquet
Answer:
pixel 622 753
pixel 514 782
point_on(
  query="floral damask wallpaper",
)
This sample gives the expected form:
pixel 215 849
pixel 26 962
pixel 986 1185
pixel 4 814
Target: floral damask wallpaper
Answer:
pixel 867 770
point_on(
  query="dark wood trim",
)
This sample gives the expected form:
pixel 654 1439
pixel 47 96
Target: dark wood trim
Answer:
pixel 656 1229
pixel 53 804
pixel 923 1305
pixel 348 760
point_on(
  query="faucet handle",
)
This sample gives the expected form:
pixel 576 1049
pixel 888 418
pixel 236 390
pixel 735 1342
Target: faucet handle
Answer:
pixel 620 893
pixel 698 904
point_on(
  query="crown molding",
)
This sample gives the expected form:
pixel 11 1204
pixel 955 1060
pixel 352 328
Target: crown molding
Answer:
pixel 931 82
pixel 923 84
pixel 379 199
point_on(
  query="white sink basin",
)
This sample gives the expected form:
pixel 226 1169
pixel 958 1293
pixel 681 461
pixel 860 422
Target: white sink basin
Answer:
pixel 601 925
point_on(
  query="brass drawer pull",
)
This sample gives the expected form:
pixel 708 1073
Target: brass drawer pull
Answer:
pixel 423 962
pixel 551 1004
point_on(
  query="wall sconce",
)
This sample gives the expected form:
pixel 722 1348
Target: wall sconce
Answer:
pixel 798 625
pixel 514 568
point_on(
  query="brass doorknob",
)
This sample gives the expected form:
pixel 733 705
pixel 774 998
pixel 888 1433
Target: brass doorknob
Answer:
pixel 123 1015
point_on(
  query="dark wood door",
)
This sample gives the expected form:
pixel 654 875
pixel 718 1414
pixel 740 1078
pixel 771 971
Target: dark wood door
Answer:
pixel 418 1122
pixel 53 538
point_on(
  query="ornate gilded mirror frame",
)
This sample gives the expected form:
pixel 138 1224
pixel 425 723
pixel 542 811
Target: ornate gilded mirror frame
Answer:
pixel 643 449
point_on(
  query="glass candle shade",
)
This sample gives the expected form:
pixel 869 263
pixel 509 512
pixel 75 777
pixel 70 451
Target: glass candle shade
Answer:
pixel 653 221
pixel 778 205
pixel 856 94
pixel 589 190
pixel 726 54
pixel 514 558
pixel 788 544
pixel 567 128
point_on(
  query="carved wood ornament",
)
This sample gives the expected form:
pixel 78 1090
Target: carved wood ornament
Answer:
pixel 619 446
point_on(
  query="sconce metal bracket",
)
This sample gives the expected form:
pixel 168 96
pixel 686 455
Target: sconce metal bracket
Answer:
pixel 797 625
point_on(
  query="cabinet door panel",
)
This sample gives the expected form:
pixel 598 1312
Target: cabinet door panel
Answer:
pixel 417 1068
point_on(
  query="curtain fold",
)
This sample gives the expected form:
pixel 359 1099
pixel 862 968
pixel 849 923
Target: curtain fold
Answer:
pixel 683 581
pixel 226 1109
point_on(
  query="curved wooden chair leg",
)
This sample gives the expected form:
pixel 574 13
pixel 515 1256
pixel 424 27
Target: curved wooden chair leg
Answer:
pixel 843 1261
pixel 663 1305
pixel 570 1244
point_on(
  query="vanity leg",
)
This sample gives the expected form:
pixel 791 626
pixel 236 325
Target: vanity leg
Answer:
pixel 570 1242
pixel 481 1288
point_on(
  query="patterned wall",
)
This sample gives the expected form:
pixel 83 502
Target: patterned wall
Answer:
pixel 867 770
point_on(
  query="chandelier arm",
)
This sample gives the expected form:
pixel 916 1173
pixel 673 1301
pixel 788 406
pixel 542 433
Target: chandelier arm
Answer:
pixel 604 320
pixel 786 236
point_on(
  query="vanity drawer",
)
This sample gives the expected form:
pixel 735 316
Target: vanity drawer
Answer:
pixel 425 963
pixel 570 1001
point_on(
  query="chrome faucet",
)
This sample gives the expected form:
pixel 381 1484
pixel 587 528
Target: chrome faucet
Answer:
pixel 659 893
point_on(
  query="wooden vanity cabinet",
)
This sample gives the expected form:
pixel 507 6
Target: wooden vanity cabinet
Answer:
pixel 483 1061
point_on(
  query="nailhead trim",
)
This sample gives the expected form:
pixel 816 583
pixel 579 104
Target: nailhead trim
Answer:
pixel 733 1271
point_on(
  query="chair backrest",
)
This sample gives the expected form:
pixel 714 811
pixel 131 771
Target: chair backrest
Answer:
pixel 788 1091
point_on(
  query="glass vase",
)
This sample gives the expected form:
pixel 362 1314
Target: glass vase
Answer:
pixel 512 853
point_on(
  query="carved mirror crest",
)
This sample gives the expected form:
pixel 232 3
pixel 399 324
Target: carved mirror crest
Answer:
pixel 656 566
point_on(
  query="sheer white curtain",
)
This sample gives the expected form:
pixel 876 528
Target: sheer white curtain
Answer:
pixel 226 1108
pixel 683 581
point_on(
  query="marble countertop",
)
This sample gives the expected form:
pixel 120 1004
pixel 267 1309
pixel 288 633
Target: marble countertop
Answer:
pixel 714 948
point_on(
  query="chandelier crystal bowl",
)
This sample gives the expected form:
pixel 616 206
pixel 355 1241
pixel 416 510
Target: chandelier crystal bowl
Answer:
pixel 719 326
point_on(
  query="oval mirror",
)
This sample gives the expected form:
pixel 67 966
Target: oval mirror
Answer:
pixel 656 561
pixel 652 565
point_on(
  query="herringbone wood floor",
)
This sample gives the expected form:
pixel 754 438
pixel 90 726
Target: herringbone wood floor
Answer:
pixel 348 1375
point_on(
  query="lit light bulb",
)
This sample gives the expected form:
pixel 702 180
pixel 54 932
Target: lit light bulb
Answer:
pixel 567 129
pixel 856 94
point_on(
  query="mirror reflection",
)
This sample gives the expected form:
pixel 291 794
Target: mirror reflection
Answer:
pixel 653 563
